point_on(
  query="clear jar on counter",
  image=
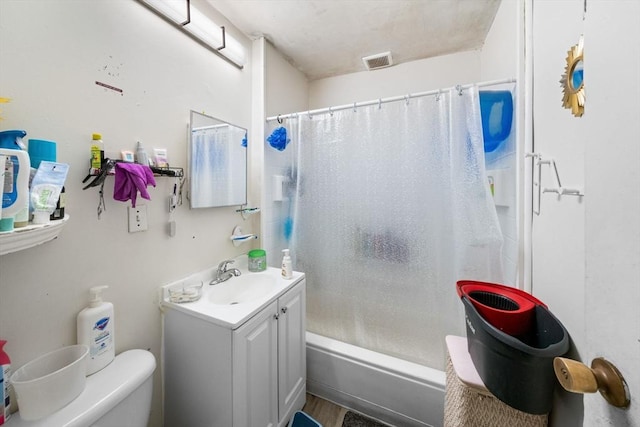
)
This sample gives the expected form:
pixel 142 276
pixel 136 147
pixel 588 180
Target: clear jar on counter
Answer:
pixel 257 260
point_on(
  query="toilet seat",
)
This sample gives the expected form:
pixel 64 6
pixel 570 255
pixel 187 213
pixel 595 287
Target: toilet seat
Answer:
pixel 104 390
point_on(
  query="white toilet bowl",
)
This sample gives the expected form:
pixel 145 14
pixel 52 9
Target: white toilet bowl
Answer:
pixel 117 396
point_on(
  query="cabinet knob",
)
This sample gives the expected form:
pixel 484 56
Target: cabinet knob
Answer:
pixel 283 310
pixel 276 316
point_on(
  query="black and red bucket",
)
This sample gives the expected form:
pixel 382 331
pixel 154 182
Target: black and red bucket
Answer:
pixel 508 309
pixel 512 339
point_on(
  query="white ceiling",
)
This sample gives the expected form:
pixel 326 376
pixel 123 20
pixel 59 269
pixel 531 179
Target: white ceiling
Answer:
pixel 324 38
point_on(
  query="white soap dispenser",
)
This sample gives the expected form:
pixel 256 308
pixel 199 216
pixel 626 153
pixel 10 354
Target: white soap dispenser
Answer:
pixel 96 330
pixel 287 267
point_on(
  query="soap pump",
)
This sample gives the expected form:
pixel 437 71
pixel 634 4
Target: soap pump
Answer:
pixel 287 267
pixel 96 330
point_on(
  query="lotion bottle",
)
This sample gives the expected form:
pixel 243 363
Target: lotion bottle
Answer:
pixel 96 330
pixel 287 267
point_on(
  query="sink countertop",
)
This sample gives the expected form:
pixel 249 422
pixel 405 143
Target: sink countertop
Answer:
pixel 227 315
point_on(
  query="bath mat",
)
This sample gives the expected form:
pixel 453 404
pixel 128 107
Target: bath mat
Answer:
pixel 353 419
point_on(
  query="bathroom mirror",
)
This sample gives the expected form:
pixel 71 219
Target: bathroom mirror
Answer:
pixel 217 163
pixel 573 80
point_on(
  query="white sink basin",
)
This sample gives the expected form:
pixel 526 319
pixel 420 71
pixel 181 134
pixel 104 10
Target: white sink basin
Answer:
pixel 229 303
pixel 241 289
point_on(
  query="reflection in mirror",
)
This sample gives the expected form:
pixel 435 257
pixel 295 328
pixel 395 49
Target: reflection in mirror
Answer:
pixel 217 163
pixel 572 80
pixel 577 75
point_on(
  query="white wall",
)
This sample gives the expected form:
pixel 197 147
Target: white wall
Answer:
pixel 586 251
pixel 411 77
pixel 53 52
pixel 558 232
pixel 612 200
pixel 502 47
pixel 558 268
pixel 287 91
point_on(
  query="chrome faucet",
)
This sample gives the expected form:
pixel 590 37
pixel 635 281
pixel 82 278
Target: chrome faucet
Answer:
pixel 223 273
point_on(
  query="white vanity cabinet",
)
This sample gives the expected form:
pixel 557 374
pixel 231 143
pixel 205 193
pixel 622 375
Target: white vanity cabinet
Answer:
pixel 250 376
pixel 269 351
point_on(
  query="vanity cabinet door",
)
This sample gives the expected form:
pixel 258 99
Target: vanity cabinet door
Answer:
pixel 255 382
pixel 292 360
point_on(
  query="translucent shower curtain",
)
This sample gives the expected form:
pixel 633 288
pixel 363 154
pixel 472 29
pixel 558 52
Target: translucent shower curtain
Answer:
pixel 391 207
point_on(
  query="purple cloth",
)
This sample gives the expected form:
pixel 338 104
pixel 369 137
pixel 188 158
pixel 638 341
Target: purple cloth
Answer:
pixel 131 178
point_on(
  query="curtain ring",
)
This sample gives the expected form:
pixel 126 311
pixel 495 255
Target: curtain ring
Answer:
pixel 439 94
pixel 406 99
pixel 279 119
pixel 330 112
pixel 354 107
pixel 379 103
pixel 459 89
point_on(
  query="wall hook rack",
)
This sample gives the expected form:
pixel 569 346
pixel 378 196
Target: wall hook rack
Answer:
pixel 537 181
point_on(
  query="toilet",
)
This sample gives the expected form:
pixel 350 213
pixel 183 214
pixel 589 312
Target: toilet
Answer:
pixel 118 395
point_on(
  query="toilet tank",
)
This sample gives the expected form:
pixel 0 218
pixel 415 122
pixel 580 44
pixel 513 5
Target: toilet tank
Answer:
pixel 118 395
pixel 128 412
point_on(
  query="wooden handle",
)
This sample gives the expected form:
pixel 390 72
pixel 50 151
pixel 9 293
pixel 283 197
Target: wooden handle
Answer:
pixel 575 376
pixel 602 376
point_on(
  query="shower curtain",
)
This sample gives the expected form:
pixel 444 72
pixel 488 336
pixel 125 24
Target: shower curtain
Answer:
pixel 389 206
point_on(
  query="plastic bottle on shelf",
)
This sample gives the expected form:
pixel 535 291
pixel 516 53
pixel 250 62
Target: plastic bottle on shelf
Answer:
pixel 58 213
pixel 97 153
pixel 5 395
pixel 287 265
pixel 96 330
pixel 141 155
pixel 15 195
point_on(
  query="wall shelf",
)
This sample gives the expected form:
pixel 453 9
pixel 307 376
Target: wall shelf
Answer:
pixel 29 236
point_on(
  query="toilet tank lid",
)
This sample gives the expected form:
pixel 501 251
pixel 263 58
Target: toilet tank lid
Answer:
pixel 104 390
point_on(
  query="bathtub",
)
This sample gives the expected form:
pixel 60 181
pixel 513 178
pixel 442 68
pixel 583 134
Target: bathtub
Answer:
pixel 392 390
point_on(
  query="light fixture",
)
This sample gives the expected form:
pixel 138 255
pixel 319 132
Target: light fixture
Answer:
pixel 189 19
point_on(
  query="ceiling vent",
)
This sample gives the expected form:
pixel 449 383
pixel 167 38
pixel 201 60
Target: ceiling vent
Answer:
pixel 380 60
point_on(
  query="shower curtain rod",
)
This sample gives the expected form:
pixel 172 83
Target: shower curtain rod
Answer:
pixel 381 101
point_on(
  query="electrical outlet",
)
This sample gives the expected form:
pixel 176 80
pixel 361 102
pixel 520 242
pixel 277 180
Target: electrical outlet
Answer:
pixel 137 218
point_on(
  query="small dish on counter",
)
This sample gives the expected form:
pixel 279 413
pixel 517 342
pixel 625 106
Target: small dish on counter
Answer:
pixel 182 293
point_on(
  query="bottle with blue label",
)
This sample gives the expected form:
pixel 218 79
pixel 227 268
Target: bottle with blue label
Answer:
pixel 96 330
pixel 15 191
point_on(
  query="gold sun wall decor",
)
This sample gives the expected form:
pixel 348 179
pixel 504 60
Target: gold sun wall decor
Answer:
pixel 572 80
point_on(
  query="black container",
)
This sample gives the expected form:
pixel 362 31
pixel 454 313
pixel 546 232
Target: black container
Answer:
pixel 517 370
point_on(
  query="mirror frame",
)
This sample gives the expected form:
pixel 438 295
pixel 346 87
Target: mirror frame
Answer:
pixel 225 186
pixel 574 98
